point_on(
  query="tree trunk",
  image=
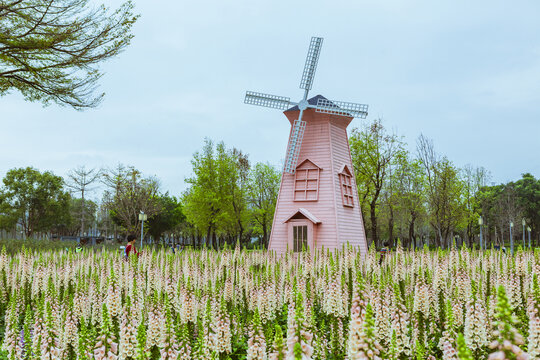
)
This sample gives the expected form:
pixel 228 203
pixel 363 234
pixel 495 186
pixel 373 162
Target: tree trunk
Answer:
pixel 240 235
pixel 214 240
pixel 265 235
pixel 391 226
pixel 373 216
pixel 208 234
pixel 411 229
pixel 82 212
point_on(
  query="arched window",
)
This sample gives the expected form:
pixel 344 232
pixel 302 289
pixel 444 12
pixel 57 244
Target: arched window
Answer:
pixel 306 181
pixel 345 183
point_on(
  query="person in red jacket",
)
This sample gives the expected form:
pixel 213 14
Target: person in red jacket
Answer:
pixel 131 246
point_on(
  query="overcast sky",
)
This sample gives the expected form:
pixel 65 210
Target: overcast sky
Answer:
pixel 464 73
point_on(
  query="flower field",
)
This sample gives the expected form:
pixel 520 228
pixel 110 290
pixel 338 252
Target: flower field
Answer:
pixel 233 304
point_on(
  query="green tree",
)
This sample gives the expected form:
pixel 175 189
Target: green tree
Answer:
pixel 36 201
pixel 129 194
pixel 486 200
pixel 202 200
pixel 389 210
pixel 447 205
pixel 216 201
pixel 528 191
pixel 234 173
pixel 170 215
pixel 263 192
pixel 508 209
pixel 50 50
pixel 79 209
pixel 410 197
pixel 103 218
pixel 473 180
pixel 445 198
pixel 373 151
pixel 500 204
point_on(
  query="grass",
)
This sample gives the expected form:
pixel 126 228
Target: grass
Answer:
pixel 15 245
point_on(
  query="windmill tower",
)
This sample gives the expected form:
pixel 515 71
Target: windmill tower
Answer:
pixel 317 205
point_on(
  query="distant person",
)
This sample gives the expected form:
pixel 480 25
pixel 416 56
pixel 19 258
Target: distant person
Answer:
pixel 130 248
pixel 78 249
pixel 384 251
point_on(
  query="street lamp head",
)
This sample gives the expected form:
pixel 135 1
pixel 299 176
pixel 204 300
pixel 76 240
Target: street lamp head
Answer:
pixel 528 228
pixel 480 221
pixel 511 224
pixel 523 222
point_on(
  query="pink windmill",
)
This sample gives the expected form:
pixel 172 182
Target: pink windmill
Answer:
pixel 317 205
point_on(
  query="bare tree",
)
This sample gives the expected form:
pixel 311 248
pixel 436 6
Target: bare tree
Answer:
pixel 429 159
pixel 80 179
pixel 509 209
pixel 444 190
pixel 130 193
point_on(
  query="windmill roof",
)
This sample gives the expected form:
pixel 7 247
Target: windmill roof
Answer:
pixel 312 101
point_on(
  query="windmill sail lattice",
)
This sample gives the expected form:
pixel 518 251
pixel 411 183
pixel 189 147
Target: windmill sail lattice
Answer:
pixel 271 101
pixel 311 63
pixel 293 149
pixel 339 108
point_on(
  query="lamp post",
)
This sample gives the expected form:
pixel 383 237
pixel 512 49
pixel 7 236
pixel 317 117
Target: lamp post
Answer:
pixel 523 222
pixel 142 218
pixel 529 230
pixel 481 222
pixel 511 239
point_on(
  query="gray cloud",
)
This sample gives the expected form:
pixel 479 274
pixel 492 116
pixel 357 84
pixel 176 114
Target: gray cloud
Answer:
pixel 463 73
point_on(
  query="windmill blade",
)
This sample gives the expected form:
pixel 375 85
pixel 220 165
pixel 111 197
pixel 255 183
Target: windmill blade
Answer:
pixel 295 143
pixel 311 63
pixel 341 108
pixel 271 101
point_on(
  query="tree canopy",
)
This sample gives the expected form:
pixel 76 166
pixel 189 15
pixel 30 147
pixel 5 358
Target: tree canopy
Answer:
pixel 263 191
pixel 424 198
pixel 227 199
pixel 36 201
pixel 374 151
pixel 418 198
pixel 50 50
pixel 130 193
pixel 168 218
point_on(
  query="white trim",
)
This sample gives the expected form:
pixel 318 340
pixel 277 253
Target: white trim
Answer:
pixel 306 213
pixel 342 171
pixel 307 159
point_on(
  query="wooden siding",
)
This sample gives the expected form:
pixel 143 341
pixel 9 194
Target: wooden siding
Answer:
pixel 325 144
pixel 350 222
